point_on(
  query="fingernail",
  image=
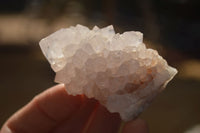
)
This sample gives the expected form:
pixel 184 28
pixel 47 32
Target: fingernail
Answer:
pixel 5 129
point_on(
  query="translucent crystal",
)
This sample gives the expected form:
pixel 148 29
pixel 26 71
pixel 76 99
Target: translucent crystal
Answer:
pixel 116 69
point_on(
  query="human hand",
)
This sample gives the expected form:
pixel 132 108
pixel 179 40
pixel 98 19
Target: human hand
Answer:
pixel 54 111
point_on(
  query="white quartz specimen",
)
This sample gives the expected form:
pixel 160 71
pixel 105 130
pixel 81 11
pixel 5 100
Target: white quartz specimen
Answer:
pixel 116 69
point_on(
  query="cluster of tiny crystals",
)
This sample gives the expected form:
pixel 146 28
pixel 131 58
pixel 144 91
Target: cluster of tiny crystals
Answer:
pixel 116 69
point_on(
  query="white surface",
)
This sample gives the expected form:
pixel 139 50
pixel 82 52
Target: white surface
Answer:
pixel 116 69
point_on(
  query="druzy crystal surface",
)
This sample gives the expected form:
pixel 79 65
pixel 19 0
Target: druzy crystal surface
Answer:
pixel 116 69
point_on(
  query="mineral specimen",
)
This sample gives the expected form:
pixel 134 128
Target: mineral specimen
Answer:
pixel 116 69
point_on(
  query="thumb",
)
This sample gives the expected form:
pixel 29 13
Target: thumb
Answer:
pixel 136 126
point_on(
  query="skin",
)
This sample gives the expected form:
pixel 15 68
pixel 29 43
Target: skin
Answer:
pixel 54 111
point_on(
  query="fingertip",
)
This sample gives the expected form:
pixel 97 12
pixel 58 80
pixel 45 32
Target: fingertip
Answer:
pixel 136 126
pixel 56 102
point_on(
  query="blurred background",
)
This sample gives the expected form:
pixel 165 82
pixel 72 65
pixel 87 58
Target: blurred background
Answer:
pixel 170 26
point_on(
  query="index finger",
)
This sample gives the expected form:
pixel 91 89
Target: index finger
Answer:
pixel 44 112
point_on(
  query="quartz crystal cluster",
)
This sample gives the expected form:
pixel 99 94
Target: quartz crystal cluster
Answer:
pixel 116 69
